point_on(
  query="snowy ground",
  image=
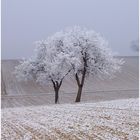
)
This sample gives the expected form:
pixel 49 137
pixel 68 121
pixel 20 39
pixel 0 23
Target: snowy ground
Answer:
pixel 110 120
pixel 128 79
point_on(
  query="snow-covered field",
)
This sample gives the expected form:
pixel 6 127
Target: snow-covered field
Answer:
pixel 126 80
pixel 110 120
pixel 17 94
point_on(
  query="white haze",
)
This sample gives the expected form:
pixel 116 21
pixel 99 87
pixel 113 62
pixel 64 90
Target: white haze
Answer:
pixel 26 21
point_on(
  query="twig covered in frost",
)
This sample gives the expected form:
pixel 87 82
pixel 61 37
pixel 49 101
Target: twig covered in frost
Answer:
pixel 94 55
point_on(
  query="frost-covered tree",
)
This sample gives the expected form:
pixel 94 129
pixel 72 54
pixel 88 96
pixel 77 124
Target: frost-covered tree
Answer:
pixel 74 49
pixel 93 54
pixel 50 63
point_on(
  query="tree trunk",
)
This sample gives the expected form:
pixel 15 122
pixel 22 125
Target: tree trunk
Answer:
pixel 56 86
pixel 78 98
pixel 56 95
pixel 80 83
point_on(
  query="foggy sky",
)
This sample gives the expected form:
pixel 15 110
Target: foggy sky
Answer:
pixel 27 21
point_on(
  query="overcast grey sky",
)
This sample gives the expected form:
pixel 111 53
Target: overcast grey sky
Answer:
pixel 27 21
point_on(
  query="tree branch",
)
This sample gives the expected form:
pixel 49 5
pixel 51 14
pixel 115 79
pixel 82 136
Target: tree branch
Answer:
pixel 53 84
pixel 66 74
pixel 77 79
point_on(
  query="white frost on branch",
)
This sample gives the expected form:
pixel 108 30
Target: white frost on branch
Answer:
pixel 92 51
pixel 71 50
pixel 50 61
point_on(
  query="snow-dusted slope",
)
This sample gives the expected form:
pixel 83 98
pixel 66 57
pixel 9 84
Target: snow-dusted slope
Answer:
pixel 17 94
pixel 112 120
pixel 126 80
